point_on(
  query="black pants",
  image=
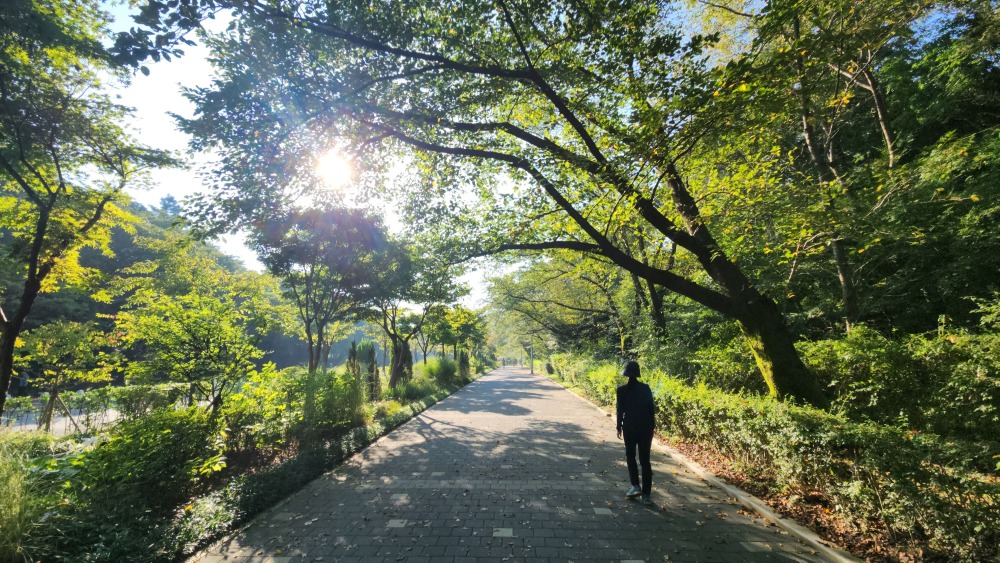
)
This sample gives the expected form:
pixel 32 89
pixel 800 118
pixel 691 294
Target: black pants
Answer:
pixel 642 442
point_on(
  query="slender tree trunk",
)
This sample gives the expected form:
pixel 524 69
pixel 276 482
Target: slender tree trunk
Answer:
pixel 6 362
pixel 656 309
pixel 326 355
pixel 639 303
pixel 882 114
pixel 846 278
pixel 313 349
pixel 45 422
pixel 313 358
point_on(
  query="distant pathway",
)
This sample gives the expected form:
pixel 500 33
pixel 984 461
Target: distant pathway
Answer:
pixel 511 468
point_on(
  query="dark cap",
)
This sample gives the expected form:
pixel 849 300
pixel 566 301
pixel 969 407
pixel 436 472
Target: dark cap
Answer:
pixel 631 369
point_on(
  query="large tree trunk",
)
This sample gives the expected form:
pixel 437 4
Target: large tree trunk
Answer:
pixel 762 323
pixel 6 362
pixel 773 348
pixel 9 331
pixel 396 372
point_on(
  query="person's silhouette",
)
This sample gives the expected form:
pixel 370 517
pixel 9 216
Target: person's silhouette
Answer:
pixel 636 411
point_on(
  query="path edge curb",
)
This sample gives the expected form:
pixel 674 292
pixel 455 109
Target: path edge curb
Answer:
pixel 808 536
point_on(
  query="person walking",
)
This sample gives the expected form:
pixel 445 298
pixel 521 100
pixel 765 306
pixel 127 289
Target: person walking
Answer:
pixel 636 411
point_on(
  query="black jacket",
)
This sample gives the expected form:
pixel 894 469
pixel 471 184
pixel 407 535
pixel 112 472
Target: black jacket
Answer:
pixel 636 408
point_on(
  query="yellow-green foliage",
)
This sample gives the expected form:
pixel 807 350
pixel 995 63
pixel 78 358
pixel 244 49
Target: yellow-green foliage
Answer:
pixel 387 409
pixel 263 409
pixel 569 367
pixel 601 382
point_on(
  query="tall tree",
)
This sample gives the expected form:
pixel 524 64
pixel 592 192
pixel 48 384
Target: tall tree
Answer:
pixel 553 95
pixel 570 301
pixel 404 282
pixel 192 321
pixel 326 259
pixel 862 157
pixel 64 157
pixel 63 354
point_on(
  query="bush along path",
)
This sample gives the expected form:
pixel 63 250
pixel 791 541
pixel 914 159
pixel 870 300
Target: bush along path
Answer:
pixel 889 493
pixel 512 467
pixel 158 486
pixel 209 517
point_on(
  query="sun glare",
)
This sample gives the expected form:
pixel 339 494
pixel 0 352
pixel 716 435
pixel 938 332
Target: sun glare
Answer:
pixel 334 168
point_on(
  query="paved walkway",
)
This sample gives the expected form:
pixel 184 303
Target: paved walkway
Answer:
pixel 511 468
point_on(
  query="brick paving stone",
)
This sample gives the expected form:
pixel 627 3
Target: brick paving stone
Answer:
pixel 511 468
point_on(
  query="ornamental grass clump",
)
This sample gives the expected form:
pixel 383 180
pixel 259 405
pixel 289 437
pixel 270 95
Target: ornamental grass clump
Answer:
pixel 19 505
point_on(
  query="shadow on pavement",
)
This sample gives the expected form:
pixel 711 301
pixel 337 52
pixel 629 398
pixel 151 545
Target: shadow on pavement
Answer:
pixel 511 468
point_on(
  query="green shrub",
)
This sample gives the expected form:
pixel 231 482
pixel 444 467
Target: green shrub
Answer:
pixel 93 407
pixel 964 399
pixel 725 363
pixel 387 409
pixel 464 368
pixel 154 461
pixel 908 481
pixel 134 401
pixel 568 367
pixel 442 370
pixel 249 494
pixel 15 408
pixel 601 383
pixel 142 492
pixel 915 484
pixel 341 399
pixel 413 389
pixel 261 412
pixel 870 376
pixel 946 382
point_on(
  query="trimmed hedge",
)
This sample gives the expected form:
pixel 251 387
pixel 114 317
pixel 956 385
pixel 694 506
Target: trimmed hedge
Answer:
pixel 943 494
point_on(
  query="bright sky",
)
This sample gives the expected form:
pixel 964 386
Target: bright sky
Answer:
pixel 156 96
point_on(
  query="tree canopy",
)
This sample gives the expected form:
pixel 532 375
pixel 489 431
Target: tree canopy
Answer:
pixel 777 168
pixel 65 158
